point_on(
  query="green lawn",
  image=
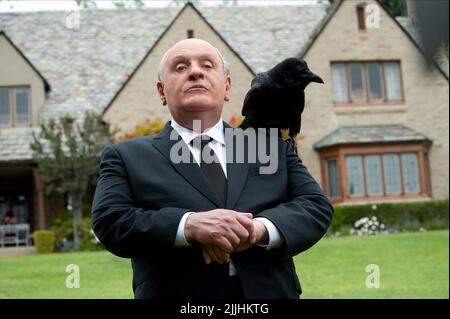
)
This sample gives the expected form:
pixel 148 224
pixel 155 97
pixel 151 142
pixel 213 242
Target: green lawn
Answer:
pixel 412 265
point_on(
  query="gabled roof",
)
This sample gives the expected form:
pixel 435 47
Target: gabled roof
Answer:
pixel 321 26
pixel 15 143
pixel 89 65
pixel 404 24
pixel 46 85
pixel 190 5
pixel 363 134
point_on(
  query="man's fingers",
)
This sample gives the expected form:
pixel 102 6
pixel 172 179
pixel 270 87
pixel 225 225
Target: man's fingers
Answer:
pixel 231 236
pixel 252 236
pixel 245 221
pixel 225 228
pixel 223 243
pixel 222 255
pixel 206 255
pixel 215 254
pixel 241 232
pixel 249 215
pixel 212 253
pixel 218 254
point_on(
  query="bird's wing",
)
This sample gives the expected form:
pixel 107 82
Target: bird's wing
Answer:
pixel 256 93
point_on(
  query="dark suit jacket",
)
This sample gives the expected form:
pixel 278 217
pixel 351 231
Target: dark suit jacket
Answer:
pixel 141 196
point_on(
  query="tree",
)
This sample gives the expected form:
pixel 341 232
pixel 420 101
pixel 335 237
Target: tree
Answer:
pixel 67 154
pixel 395 7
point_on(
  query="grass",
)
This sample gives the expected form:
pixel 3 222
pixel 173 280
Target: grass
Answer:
pixel 102 275
pixel 412 265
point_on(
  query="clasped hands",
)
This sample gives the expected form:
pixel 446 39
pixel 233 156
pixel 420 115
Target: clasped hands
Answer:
pixel 223 231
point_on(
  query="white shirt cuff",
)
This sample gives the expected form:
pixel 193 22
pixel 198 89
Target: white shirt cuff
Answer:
pixel 275 238
pixel 180 239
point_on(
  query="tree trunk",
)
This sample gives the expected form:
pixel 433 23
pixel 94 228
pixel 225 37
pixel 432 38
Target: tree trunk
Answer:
pixel 77 203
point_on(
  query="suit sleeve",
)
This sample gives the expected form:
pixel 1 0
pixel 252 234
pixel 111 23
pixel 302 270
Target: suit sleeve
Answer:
pixel 124 229
pixel 307 214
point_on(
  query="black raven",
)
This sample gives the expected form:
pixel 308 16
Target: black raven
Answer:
pixel 276 98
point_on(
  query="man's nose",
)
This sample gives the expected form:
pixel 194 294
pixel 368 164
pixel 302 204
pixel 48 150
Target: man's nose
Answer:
pixel 196 72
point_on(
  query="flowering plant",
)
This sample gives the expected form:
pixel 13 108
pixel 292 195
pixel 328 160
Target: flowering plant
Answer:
pixel 368 226
pixel 147 127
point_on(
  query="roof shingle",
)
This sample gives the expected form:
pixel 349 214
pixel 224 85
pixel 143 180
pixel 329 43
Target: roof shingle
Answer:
pixel 369 134
pixel 87 66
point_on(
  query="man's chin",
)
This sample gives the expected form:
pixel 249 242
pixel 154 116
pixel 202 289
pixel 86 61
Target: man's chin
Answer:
pixel 199 105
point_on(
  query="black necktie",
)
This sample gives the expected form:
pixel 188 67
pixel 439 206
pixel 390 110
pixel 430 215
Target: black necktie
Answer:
pixel 210 165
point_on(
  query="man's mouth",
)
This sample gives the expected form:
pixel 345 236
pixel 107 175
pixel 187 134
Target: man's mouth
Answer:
pixel 197 87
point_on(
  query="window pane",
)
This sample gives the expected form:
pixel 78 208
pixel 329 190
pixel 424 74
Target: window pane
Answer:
pixel 339 82
pixel 355 181
pixel 392 179
pixel 22 109
pixel 375 83
pixel 392 78
pixel 357 79
pixel 373 174
pixel 333 178
pixel 427 174
pixel 410 173
pixel 5 112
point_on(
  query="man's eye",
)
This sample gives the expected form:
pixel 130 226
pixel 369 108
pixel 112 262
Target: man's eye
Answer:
pixel 207 66
pixel 180 67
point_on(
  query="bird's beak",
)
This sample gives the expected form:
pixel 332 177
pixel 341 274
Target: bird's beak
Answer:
pixel 311 77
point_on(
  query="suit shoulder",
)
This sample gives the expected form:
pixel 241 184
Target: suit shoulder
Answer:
pixel 134 143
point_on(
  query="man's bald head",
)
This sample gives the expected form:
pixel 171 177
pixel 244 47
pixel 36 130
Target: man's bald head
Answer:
pixel 162 63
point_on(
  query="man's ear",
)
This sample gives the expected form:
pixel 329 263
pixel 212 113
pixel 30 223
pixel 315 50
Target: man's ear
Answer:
pixel 227 89
pixel 160 88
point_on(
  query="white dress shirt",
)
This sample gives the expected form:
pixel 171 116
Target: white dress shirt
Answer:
pixel 218 145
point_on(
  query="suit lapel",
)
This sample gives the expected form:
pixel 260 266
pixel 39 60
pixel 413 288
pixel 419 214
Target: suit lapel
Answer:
pixel 236 172
pixel 190 171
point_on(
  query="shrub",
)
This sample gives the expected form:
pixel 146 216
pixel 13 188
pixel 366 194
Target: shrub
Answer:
pixel 147 127
pixel 44 241
pixel 62 227
pixel 404 216
pixel 89 241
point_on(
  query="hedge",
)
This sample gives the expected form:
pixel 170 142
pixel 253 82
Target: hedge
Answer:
pixel 404 216
pixel 44 241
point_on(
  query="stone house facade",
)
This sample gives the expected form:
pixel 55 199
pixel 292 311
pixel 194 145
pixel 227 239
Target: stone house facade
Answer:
pixel 377 130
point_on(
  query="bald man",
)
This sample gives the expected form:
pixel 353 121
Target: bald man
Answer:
pixel 209 226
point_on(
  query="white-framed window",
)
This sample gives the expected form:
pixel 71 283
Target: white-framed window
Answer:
pixel 366 82
pixel 382 174
pixel 333 178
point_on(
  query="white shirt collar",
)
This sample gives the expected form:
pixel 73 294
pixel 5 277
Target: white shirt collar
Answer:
pixel 215 132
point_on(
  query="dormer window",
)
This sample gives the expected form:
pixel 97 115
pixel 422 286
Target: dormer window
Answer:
pixel 15 109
